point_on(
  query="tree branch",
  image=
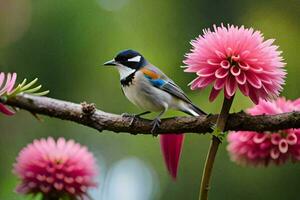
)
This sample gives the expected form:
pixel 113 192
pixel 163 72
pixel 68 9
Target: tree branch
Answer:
pixel 88 115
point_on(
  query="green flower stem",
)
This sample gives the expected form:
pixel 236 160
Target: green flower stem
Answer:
pixel 217 136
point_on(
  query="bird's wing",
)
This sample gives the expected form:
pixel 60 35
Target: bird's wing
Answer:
pixel 158 79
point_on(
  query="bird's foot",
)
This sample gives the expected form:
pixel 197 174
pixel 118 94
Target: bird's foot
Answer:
pixel 212 125
pixel 155 125
pixel 134 115
pixel 129 115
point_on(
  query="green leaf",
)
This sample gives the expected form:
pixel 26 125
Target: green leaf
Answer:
pixel 23 83
pixel 32 90
pixel 29 84
pixel 41 93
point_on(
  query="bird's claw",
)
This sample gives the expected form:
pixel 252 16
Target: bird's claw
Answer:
pixel 212 125
pixel 128 115
pixel 155 124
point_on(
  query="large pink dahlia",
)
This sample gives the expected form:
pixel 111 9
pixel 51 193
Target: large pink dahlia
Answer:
pixel 6 86
pixel 253 148
pixel 55 169
pixel 236 57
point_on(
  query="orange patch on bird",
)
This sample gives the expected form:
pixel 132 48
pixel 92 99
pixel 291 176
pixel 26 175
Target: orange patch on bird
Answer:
pixel 150 73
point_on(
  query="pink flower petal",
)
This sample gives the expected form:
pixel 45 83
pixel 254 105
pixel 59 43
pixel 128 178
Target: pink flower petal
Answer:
pixel 245 53
pixel 2 76
pixel 275 139
pixel 235 71
pixel 194 68
pixel 5 110
pixel 274 153
pixel 203 82
pixel 213 94
pixel 206 71
pixel 225 64
pixel 283 146
pixel 230 86
pixel 213 62
pixel 256 69
pixel 45 189
pixel 58 186
pixel 219 83
pixel 221 73
pixel 229 52
pixel 220 54
pixel 252 154
pixel 244 66
pixel 291 139
pixel 171 146
pixel 259 138
pixel 194 83
pixel 235 58
pixel 253 80
pixel 241 78
pixel 253 94
pixel 11 83
pixel 264 79
pixel 4 88
pixel 204 75
pixel 246 136
pixel 265 146
pixel 244 89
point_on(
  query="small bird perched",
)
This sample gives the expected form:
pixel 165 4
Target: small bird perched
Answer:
pixel 151 90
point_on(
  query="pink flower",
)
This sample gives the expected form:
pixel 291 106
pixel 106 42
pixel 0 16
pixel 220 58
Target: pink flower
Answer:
pixel 5 89
pixel 253 148
pixel 231 58
pixel 55 168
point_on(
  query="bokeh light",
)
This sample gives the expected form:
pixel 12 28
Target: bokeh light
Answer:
pixel 130 179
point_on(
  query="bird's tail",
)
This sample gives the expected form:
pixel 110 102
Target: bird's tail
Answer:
pixel 197 110
pixel 171 144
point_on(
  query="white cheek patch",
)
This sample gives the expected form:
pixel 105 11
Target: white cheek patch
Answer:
pixel 124 71
pixel 135 59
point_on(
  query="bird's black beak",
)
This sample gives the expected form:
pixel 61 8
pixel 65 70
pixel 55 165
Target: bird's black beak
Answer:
pixel 110 63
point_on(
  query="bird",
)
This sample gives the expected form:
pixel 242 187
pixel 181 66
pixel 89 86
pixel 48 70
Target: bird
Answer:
pixel 147 87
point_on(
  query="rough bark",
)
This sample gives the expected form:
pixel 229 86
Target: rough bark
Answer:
pixel 88 115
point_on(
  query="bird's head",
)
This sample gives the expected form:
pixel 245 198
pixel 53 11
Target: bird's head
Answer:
pixel 128 58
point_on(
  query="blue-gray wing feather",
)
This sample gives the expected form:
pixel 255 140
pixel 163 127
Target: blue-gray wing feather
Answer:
pixel 166 84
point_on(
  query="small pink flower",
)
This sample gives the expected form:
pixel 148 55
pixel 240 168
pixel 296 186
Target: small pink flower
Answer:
pixel 55 168
pixel 5 89
pixel 231 57
pixel 253 148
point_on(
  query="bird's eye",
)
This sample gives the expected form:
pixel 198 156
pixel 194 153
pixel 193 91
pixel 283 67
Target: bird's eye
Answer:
pixel 135 59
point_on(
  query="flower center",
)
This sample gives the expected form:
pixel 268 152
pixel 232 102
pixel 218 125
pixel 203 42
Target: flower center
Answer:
pixel 58 161
pixel 233 60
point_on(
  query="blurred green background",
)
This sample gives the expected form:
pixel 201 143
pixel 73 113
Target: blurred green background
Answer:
pixel 64 43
